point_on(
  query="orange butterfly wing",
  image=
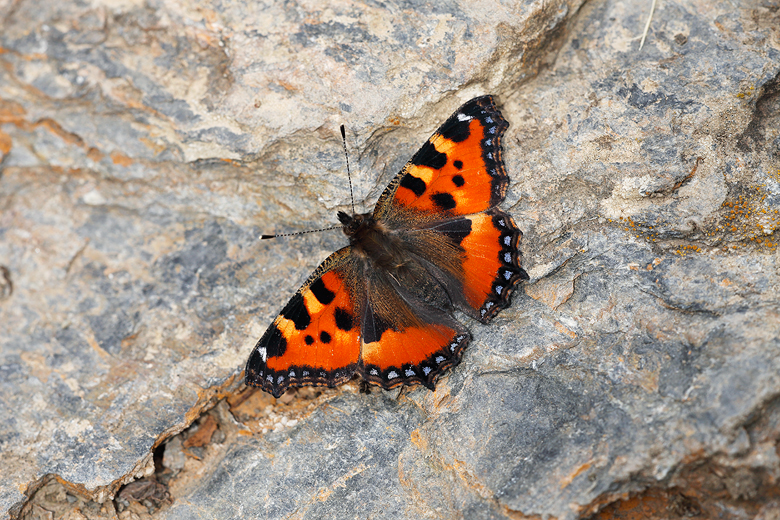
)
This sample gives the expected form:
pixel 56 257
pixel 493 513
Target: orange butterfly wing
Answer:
pixel 458 171
pixel 315 340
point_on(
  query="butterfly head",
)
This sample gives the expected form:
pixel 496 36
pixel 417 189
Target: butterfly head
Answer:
pixel 354 224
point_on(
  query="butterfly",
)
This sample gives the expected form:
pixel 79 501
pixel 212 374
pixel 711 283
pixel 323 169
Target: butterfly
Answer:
pixel 382 307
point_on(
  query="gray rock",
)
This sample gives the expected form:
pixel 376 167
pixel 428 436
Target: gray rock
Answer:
pixel 144 148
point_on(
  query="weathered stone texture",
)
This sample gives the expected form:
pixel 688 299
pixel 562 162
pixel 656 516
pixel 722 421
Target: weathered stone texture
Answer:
pixel 144 146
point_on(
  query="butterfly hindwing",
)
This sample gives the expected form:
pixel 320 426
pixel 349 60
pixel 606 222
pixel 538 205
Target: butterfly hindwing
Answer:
pixel 315 340
pixel 482 276
pixel 405 339
pixel 458 171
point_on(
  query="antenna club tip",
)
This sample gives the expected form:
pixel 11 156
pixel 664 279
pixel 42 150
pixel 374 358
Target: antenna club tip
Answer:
pixel 343 132
pixel 263 237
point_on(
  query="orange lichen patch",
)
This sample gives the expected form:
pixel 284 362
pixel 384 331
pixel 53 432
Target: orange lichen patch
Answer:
pixel 746 220
pixel 682 250
pixel 5 143
pixel 638 229
pixel 749 219
pixel 749 91
pixel 394 121
pixel 121 159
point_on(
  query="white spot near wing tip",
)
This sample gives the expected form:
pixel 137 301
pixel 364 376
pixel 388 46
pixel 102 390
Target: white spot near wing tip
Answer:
pixel 464 117
pixel 263 354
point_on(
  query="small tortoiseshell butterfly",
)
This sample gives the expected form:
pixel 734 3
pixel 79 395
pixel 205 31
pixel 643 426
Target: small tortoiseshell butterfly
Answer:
pixel 382 306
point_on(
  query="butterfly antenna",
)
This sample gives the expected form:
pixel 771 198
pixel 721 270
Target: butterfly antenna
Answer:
pixel 351 197
pixel 264 237
pixel 349 176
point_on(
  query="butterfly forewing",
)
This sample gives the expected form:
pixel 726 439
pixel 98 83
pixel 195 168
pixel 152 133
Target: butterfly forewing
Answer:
pixel 315 340
pixel 458 171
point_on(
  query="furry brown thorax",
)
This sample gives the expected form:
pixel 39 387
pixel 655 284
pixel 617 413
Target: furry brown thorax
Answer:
pixel 373 240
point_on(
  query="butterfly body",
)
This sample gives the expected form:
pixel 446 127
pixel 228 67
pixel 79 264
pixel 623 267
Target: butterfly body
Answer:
pixel 382 306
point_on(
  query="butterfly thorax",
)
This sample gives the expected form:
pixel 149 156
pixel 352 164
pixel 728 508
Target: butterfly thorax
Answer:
pixel 373 241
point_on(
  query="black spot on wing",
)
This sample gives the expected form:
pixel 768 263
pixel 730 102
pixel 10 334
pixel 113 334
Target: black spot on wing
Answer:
pixel 325 337
pixel 343 319
pixel 455 230
pixel 374 328
pixel 458 164
pixel 411 182
pixel 322 293
pixel 308 339
pixel 295 311
pixel 430 157
pixel 445 201
pixel 455 129
pixel 458 180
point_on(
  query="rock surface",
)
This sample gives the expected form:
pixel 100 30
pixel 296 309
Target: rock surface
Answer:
pixel 145 146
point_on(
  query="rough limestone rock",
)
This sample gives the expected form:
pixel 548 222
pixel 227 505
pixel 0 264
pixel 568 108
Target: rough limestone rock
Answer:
pixel 144 147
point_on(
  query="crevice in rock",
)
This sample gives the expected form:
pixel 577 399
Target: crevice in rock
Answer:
pixel 705 490
pixel 179 457
pixel 766 115
pixel 745 485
